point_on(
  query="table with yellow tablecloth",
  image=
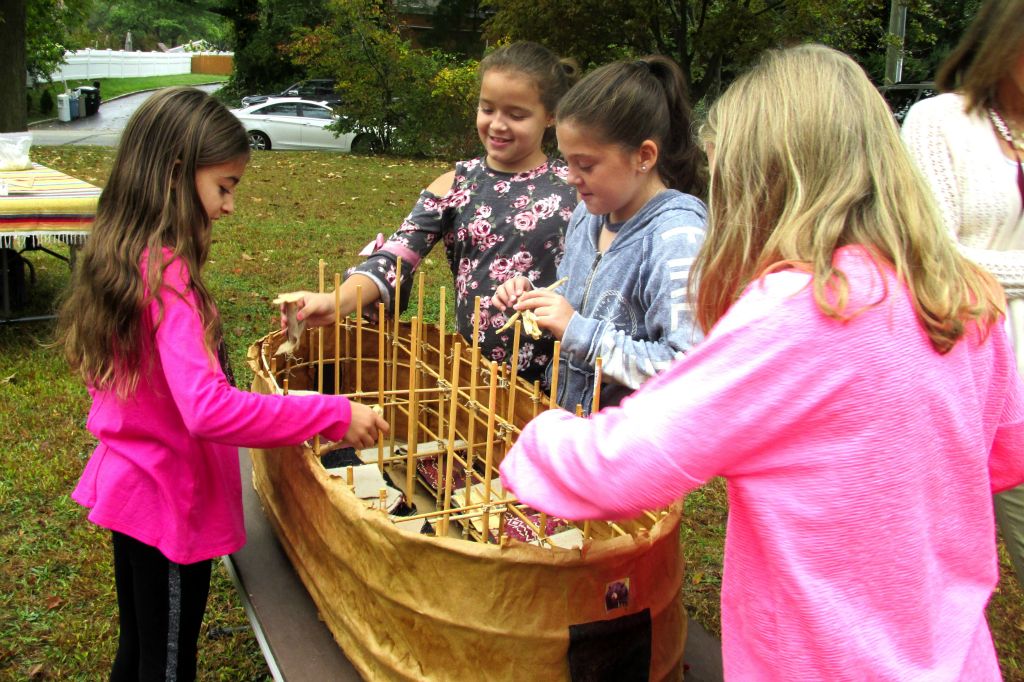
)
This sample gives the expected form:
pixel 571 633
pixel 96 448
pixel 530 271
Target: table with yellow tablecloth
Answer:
pixel 42 206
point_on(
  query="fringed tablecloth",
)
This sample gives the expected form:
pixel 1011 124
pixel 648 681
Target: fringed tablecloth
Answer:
pixel 46 204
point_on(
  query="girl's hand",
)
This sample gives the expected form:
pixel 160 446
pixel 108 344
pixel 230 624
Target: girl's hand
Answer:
pixel 317 310
pixel 510 291
pixel 364 427
pixel 552 310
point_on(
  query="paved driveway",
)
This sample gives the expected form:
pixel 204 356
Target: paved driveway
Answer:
pixel 103 128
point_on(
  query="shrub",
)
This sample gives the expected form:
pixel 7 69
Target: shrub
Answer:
pixel 45 102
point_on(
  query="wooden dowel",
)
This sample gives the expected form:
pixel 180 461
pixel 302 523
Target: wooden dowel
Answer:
pixel 380 381
pixel 595 404
pixel 396 302
pixel 413 421
pixel 492 396
pixel 359 338
pixel 556 353
pixel 473 380
pixel 453 413
pixel 337 333
pixel 439 493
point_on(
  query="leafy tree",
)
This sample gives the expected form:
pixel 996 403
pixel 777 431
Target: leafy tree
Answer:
pixel 262 31
pixel 457 28
pixel 152 22
pixel 51 29
pixel 712 40
pixel 412 100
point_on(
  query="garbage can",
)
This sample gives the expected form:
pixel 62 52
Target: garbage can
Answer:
pixel 89 97
pixel 73 98
pixel 63 107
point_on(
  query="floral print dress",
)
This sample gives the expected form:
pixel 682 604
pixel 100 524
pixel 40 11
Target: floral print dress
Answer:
pixel 494 226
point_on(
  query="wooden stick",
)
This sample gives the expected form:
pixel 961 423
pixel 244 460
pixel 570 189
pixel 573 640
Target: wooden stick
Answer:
pixel 556 355
pixel 492 396
pixel 439 493
pixel 337 333
pixel 396 307
pixel 413 421
pixel 595 407
pixel 319 354
pixel 453 412
pixel 381 321
pixel 515 316
pixel 473 377
pixel 419 300
pixel 359 338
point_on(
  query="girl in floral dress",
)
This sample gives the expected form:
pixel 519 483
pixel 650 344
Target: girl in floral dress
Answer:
pixel 499 216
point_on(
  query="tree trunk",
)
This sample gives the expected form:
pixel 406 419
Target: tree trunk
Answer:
pixel 13 116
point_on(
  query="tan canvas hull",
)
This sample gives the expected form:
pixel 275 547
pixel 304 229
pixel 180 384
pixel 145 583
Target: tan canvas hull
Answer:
pixel 408 606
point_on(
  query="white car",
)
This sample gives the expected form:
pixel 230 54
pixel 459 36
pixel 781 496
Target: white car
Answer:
pixel 294 123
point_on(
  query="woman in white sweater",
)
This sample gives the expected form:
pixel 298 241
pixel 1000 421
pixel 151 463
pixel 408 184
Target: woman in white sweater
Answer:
pixel 969 143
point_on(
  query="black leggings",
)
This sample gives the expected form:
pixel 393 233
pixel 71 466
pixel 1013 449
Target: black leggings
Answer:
pixel 161 607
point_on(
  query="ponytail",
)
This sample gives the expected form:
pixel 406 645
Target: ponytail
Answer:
pixel 627 102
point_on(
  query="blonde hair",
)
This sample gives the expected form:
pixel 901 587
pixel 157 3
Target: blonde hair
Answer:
pixel 150 202
pixel 807 159
pixel 985 54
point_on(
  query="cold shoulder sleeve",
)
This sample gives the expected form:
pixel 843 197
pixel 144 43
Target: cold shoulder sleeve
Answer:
pixel 421 230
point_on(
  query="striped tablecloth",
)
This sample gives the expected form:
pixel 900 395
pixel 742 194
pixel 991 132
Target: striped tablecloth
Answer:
pixel 46 204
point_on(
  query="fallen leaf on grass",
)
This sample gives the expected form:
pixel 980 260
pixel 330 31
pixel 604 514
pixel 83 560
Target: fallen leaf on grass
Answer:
pixel 246 256
pixel 697 578
pixel 9 380
pixel 53 602
pixel 36 672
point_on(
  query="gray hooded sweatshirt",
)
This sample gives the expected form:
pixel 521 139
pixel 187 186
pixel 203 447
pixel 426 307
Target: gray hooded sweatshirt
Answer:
pixel 631 304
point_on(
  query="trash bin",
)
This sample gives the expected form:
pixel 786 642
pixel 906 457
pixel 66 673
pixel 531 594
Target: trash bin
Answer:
pixel 73 98
pixel 81 103
pixel 89 97
pixel 63 108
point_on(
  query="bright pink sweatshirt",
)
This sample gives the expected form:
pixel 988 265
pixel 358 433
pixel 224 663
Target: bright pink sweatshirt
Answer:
pixel 166 470
pixel 860 465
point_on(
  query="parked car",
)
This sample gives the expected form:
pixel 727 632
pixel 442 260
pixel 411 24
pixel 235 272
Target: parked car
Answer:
pixel 315 89
pixel 294 123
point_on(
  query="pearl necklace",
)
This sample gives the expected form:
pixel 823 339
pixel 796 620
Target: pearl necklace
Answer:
pixel 1016 141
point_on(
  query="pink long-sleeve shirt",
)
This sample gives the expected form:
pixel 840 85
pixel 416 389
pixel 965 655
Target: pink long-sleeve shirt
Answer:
pixel 166 470
pixel 860 466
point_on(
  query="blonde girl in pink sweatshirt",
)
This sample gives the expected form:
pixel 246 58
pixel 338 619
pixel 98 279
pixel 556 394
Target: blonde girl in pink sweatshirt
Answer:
pixel 142 330
pixel 856 389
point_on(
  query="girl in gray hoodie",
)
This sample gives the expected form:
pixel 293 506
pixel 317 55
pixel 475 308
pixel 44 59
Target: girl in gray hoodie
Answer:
pixel 624 131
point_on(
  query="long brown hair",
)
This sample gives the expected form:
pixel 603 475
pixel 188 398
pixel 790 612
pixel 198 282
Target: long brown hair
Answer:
pixel 806 158
pixel 985 54
pixel 627 102
pixel 150 202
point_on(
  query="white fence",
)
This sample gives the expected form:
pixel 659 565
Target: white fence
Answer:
pixel 89 64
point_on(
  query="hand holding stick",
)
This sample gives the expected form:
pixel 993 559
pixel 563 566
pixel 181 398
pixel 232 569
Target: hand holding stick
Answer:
pixel 515 316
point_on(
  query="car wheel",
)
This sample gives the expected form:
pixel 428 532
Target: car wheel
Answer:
pixel 366 143
pixel 258 140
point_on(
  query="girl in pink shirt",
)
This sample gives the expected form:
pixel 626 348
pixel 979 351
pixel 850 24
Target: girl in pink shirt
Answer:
pixel 142 330
pixel 856 389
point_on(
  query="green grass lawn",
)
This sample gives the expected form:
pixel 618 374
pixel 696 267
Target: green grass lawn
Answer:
pixel 57 606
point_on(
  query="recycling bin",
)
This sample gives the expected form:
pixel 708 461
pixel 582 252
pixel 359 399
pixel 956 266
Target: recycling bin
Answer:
pixel 89 97
pixel 63 107
pixel 73 97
